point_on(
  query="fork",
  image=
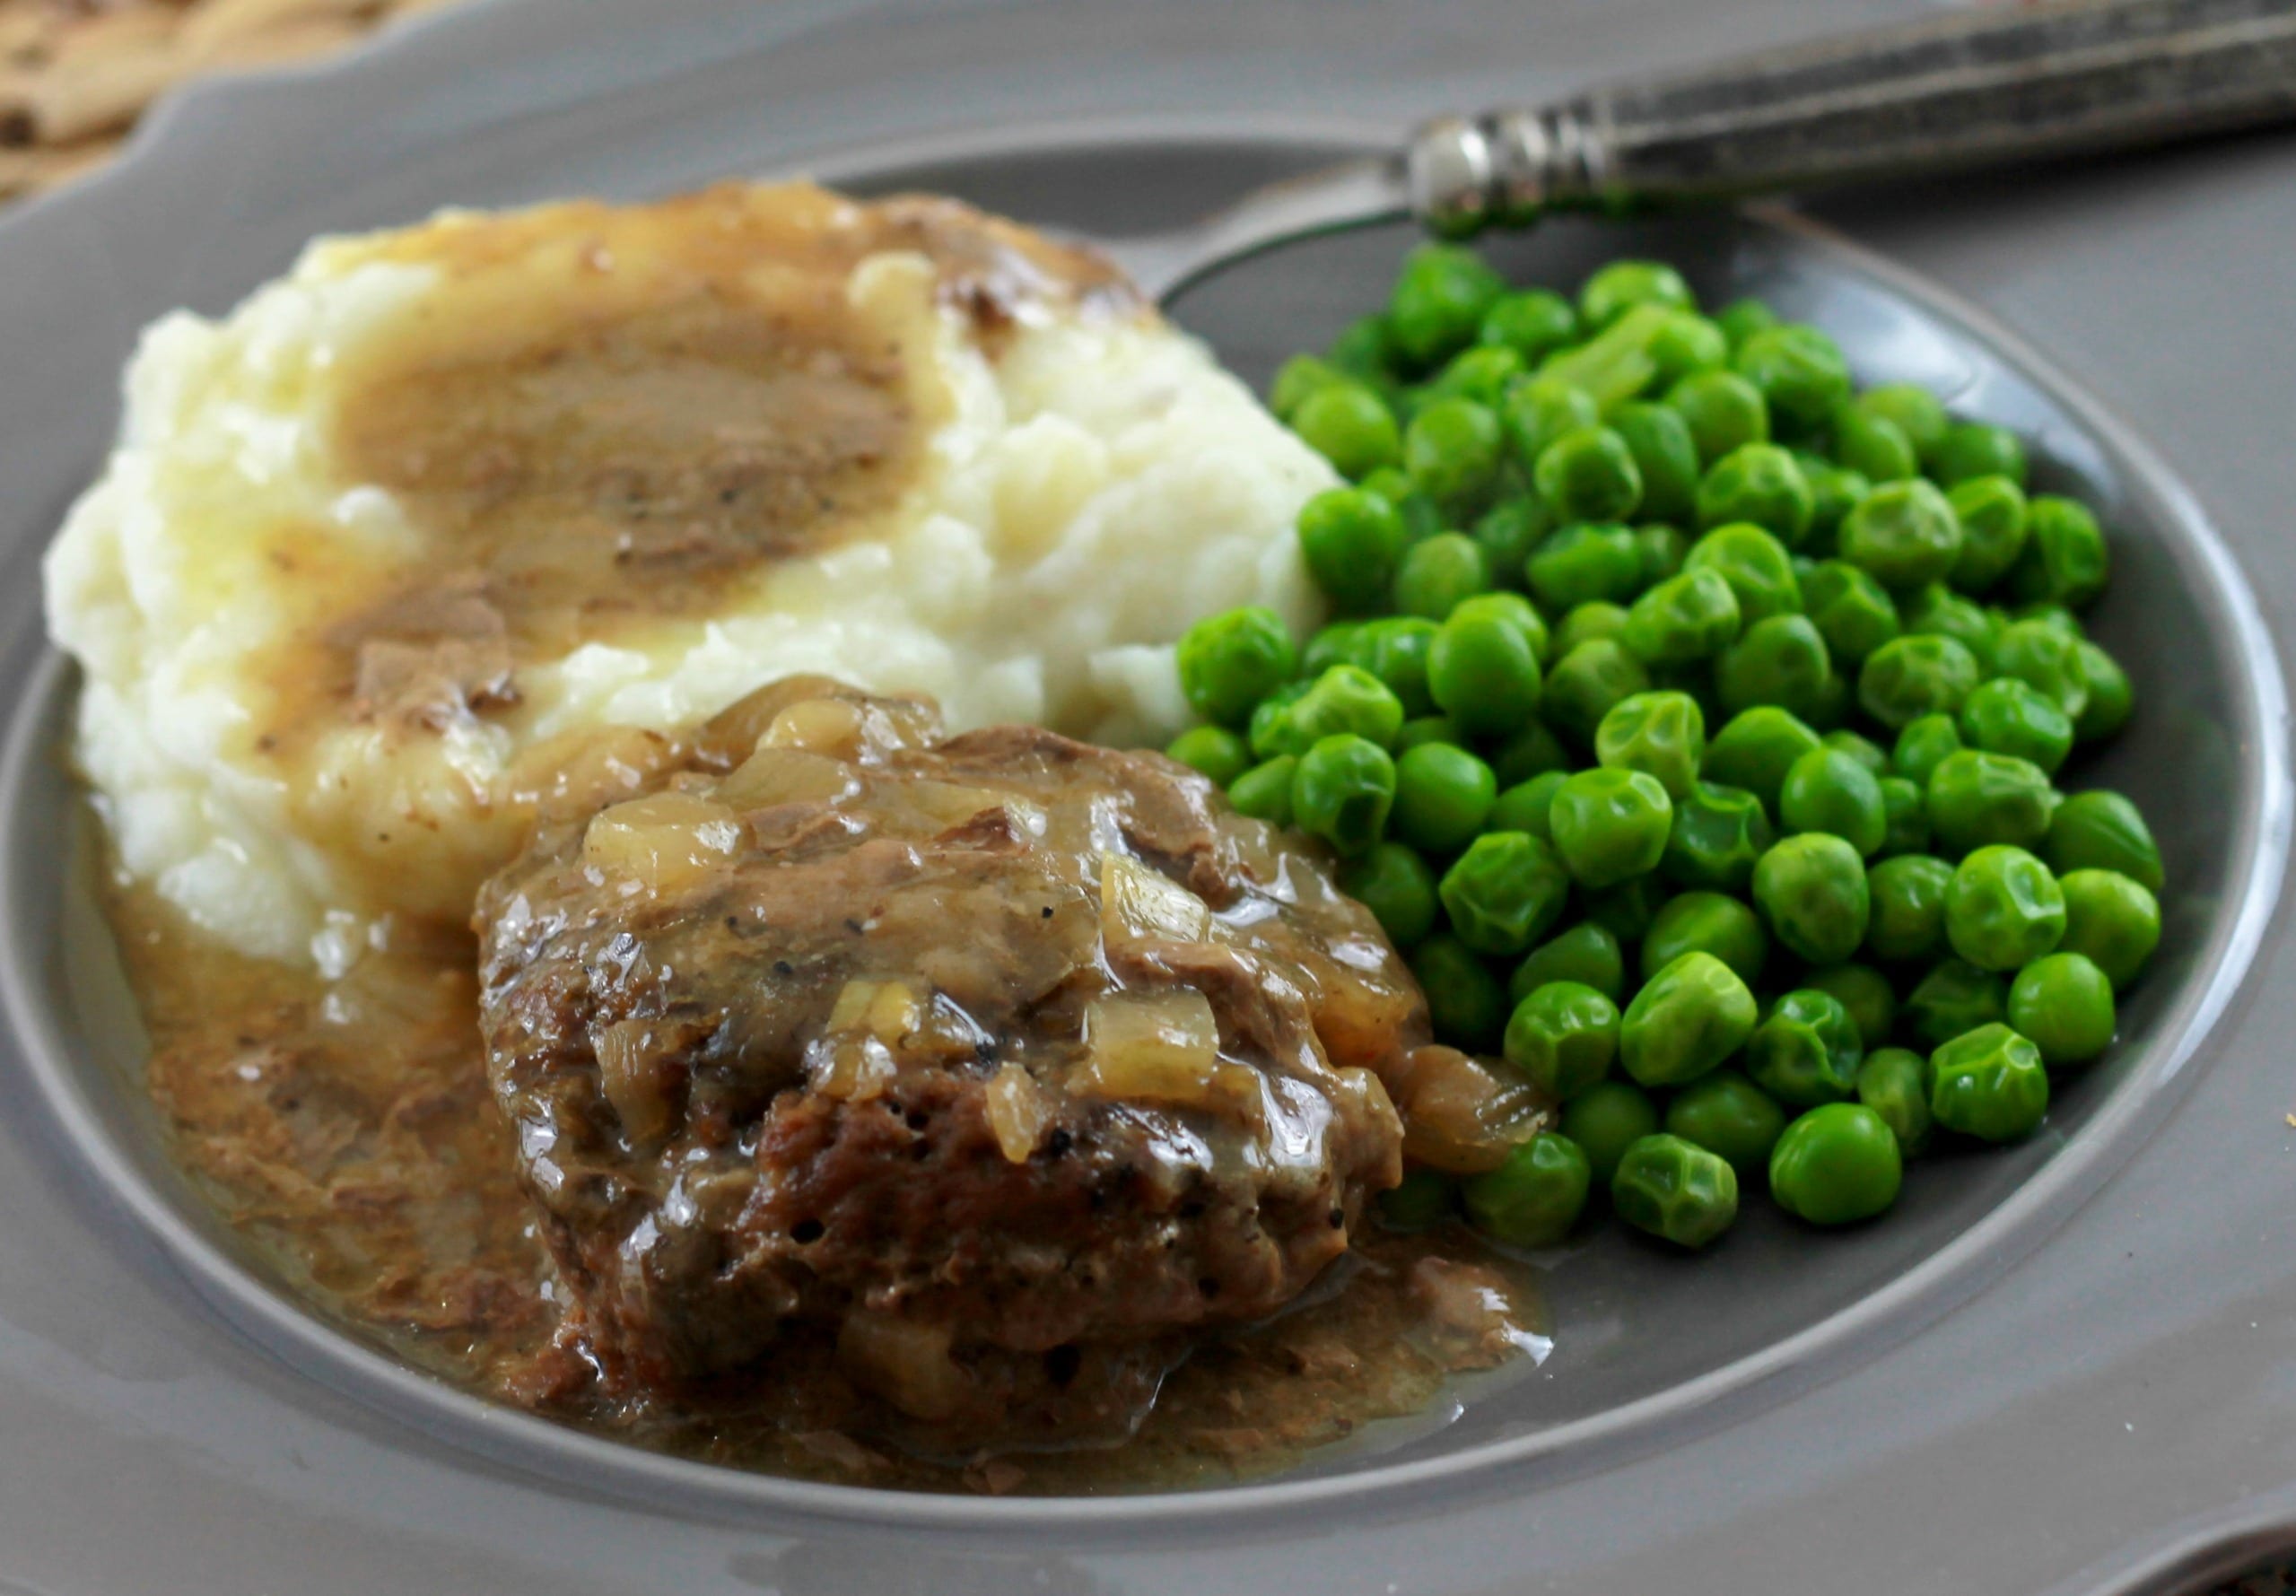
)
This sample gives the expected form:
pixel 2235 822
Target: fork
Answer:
pixel 1985 87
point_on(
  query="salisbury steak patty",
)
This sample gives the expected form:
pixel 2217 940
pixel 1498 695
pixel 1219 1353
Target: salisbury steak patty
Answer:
pixel 1002 1050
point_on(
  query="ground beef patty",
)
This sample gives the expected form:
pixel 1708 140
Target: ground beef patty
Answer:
pixel 998 1057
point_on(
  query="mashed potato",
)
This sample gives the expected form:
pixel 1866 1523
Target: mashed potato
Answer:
pixel 382 552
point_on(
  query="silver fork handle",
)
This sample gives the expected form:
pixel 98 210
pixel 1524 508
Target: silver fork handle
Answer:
pixel 1992 86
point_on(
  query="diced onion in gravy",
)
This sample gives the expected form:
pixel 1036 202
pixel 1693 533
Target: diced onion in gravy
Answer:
pixel 886 1010
pixel 905 1363
pixel 1162 1048
pixel 664 841
pixel 1460 1116
pixel 1016 1110
pixel 773 776
pixel 629 1075
pixel 1137 904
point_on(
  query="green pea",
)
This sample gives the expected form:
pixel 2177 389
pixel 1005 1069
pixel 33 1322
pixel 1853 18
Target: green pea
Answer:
pixel 1830 791
pixel 1352 541
pixel 1503 892
pixel 1799 370
pixel 1296 378
pixel 1351 426
pixel 2007 716
pixel 1396 650
pixel 1452 450
pixel 2055 614
pixel 1398 887
pixel 1466 1005
pixel 1909 677
pixel 2004 909
pixel 1954 998
pixel 1675 1190
pixel 1421 519
pixel 1903 534
pixel 1421 1201
pixel 1686 343
pixel 1779 661
pixel 1977 799
pixel 1534 323
pixel 1717 834
pixel 1755 748
pixel 1509 532
pixel 1863 749
pixel 1812 889
pixel 1663 549
pixel 1755 564
pixel 1615 364
pixel 1342 792
pixel 1263 792
pixel 1584 684
pixel 1443 795
pixel 1609 825
pixel 1806 1051
pixel 1626 910
pixel 1532 752
pixel 1740 319
pixel 1834 493
pixel 1528 805
pixel 2040 656
pixel 1889 1082
pixel 1537 412
pixel 1585 954
pixel 1912 409
pixel 1904 810
pixel 1706 922
pixel 1989 1082
pixel 2064 560
pixel 1563 1036
pixel 1535 1196
pixel 1584 623
pixel 1874 446
pixel 1211 751
pixel 1439 302
pixel 1992 512
pixel 1922 744
pixel 1863 991
pixel 1693 682
pixel 1836 1164
pixel 1346 700
pixel 1332 645
pixel 1270 732
pixel 1683 619
pixel 1589 474
pixel 1483 673
pixel 1623 285
pixel 1585 563
pixel 1483 372
pixel 1435 575
pixel 1852 612
pixel 1685 1020
pixel 1605 1120
pixel 1515 610
pixel 1230 662
pixel 1973 449
pixel 1723 410
pixel 2100 830
pixel 2111 921
pixel 1757 483
pixel 1730 1116
pixel 1422 729
pixel 1937 610
pixel 1362 349
pixel 2064 1004
pixel 1661 734
pixel 2111 699
pixel 1665 456
pixel 1908 920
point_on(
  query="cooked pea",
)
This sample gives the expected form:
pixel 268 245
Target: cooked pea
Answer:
pixel 2004 909
pixel 1989 1082
pixel 1685 1020
pixel 1342 790
pixel 1874 446
pixel 1755 748
pixel 1723 410
pixel 1563 1036
pixel 1626 910
pixel 1483 372
pixel 1755 564
pixel 1212 750
pixel 1830 791
pixel 1351 426
pixel 1609 825
pixel 1904 533
pixel 1806 1051
pixel 1675 1190
pixel 2100 830
pixel 1534 323
pixel 1757 483
pixel 1623 285
pixel 1439 302
pixel 1483 673
pixel 1852 612
pixel 1396 650
pixel 1780 660
pixel 1443 796
pixel 1532 752
pixel 1229 662
pixel 1730 1116
pixel 1397 886
pixel 2111 698
pixel 1686 343
pixel 2064 1004
pixel 1955 997
pixel 1584 684
pixel 1527 805
pixel 1683 619
pixel 1906 812
pixel 1585 954
pixel 1889 1084
pixel 1346 700
pixel 1937 610
pixel 1263 792
pixel 1661 734
pixel 1922 744
pixel 1332 645
pixel 2111 921
pixel 1435 575
pixel 1799 371
pixel 1665 456
pixel 1452 450
pixel 1421 519
pixel 1424 1199
pixel 1860 748
pixel 1503 892
pixel 1422 729
pixel 1740 319
pixel 1706 922
pixel 1589 474
pixel 1516 611
pixel 1913 410
pixel 1909 677
pixel 1865 992
pixel 2064 559
pixel 1586 563
pixel 1535 1196
pixel 1509 532
pixel 1991 510
pixel 1607 1119
pixel 1908 920
pixel 1973 449
pixel 1466 1005
pixel 2056 615
pixel 1296 378
pixel 1536 412
pixel 2007 716
pixel 1836 1164
pixel 1584 623
pixel 1352 541
pixel 1718 833
pixel 1362 349
pixel 1834 493
pixel 2042 656
pixel 1812 889
pixel 1663 549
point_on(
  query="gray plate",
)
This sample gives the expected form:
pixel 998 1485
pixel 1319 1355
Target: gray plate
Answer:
pixel 2053 1369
